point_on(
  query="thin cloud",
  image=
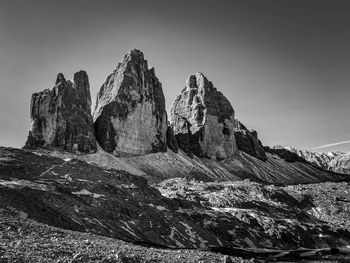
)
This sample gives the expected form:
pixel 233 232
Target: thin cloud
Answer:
pixel 331 144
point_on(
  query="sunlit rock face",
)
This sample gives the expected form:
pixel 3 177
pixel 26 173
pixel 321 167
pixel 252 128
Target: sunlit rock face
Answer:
pixel 61 117
pixel 130 116
pixel 203 120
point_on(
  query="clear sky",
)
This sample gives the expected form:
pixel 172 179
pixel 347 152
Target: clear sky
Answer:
pixel 284 65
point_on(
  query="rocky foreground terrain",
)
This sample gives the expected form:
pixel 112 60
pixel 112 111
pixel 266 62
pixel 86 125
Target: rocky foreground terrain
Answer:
pixel 124 185
pixel 235 218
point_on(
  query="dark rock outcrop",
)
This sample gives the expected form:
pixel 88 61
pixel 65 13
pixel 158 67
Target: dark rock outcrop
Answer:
pixel 130 116
pixel 171 141
pixel 248 142
pixel 203 120
pixel 288 156
pixel 61 117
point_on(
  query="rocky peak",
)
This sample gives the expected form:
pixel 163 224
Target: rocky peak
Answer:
pixel 82 87
pixel 130 116
pixel 60 79
pixel 202 119
pixel 197 80
pixel 61 117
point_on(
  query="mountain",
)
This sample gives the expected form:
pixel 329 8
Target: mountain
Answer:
pixel 332 161
pixel 130 116
pixel 203 120
pixel 341 163
pixel 202 182
pixel 61 117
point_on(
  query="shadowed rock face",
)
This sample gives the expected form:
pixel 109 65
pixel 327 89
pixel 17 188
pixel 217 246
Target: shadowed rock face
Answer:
pixel 171 141
pixel 248 142
pixel 203 120
pixel 130 116
pixel 61 117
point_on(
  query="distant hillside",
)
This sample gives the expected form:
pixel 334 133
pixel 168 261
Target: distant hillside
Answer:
pixel 333 161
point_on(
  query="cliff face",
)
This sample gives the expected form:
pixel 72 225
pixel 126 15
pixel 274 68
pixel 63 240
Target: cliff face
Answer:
pixel 130 116
pixel 203 120
pixel 248 142
pixel 61 117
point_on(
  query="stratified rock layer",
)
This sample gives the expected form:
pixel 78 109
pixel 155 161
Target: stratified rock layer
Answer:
pixel 248 142
pixel 130 116
pixel 203 120
pixel 61 117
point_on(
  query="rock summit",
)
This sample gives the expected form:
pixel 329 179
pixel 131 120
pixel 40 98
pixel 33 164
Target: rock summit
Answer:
pixel 61 117
pixel 203 120
pixel 130 116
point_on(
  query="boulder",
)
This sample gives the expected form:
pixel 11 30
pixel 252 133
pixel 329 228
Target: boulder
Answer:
pixel 130 116
pixel 248 142
pixel 61 117
pixel 203 120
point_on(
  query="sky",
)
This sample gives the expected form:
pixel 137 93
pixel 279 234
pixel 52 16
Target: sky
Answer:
pixel 283 65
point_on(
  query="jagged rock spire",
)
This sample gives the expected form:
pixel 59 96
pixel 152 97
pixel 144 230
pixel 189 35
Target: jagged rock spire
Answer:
pixel 61 117
pixel 130 116
pixel 203 120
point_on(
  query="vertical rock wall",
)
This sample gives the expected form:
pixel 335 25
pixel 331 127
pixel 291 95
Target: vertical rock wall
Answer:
pixel 130 116
pixel 61 117
pixel 203 120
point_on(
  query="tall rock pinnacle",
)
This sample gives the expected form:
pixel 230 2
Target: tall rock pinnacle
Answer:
pixel 130 116
pixel 203 120
pixel 61 117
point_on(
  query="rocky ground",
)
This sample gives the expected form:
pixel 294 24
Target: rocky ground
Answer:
pixel 25 240
pixel 70 200
pixel 269 216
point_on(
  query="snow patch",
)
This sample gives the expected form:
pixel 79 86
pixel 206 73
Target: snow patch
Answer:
pixel 171 236
pixel 250 243
pixel 127 186
pixel 231 232
pixel 86 192
pixel 128 229
pixel 98 221
pixel 67 177
pixel 82 180
pixel 159 207
pixel 189 232
pixel 76 209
